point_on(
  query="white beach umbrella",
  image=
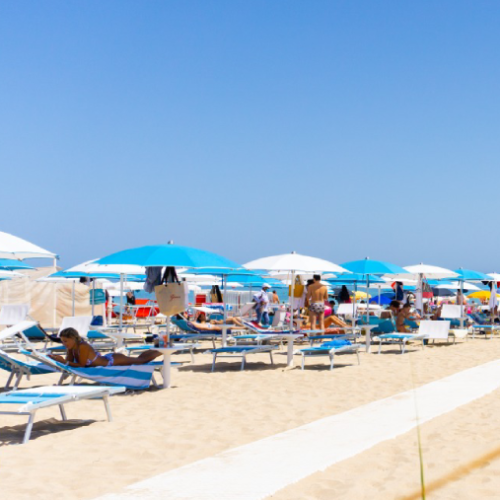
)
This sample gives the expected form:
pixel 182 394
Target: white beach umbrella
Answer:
pixel 90 267
pixel 495 276
pixel 12 247
pixel 422 271
pixel 295 263
pixel 4 274
pixel 457 286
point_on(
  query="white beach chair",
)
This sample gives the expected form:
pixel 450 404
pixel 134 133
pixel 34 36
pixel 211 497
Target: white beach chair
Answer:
pixel 450 311
pixel 10 314
pixel 29 401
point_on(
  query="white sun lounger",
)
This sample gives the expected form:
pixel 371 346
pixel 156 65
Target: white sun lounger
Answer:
pixel 10 314
pixel 28 401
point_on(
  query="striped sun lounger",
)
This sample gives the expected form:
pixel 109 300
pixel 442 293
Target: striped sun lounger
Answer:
pixel 29 401
pixel 136 377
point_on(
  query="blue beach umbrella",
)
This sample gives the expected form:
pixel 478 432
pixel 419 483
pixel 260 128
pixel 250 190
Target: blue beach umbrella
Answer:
pixel 373 267
pixel 12 264
pixel 168 255
pixel 469 275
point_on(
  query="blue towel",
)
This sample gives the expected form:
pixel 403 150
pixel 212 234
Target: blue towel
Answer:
pixel 336 343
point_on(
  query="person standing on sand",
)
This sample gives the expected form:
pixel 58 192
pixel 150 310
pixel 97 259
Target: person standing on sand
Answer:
pixel 317 294
pixel 262 308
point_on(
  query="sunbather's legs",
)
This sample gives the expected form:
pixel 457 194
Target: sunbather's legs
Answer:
pixel 145 357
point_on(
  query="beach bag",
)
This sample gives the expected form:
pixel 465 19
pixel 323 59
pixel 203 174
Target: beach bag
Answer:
pixel 172 298
pixel 426 290
pixel 298 289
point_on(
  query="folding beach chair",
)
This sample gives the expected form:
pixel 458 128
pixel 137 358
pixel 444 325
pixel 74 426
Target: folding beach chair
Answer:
pixel 330 349
pixel 29 401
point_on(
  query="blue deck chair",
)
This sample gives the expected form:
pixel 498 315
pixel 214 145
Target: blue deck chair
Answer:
pixel 29 401
pixel 19 369
pixel 241 352
pixel 330 349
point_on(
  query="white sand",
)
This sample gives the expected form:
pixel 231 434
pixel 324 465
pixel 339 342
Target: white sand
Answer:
pixel 205 413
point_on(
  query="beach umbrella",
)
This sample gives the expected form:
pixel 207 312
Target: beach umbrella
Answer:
pixel 373 267
pixel 442 292
pixel 12 247
pixel 422 271
pixel 493 302
pixel 384 299
pixel 169 255
pixel 481 295
pixel 457 286
pixel 14 264
pixel 295 263
pixel 8 275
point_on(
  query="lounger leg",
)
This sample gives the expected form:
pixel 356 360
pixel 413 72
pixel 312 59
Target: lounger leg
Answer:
pixel 303 360
pixel 213 362
pixel 357 354
pixel 18 380
pixel 63 412
pixel 27 432
pixel 271 356
pixel 9 380
pixel 108 408
pixel 403 347
pixel 243 362
pixel 192 354
pixel 379 346
pixel 332 357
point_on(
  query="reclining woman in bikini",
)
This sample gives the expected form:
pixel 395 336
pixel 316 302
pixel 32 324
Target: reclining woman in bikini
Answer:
pixel 81 354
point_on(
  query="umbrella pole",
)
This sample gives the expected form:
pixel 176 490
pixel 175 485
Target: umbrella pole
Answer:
pixel 93 296
pixel 291 301
pixel 73 299
pixel 121 301
pixel 462 304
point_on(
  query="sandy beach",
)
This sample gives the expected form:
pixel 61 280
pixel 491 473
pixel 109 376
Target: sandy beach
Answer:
pixel 205 413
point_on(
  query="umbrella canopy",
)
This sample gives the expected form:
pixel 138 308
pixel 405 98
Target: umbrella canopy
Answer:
pixel 385 299
pixel 295 262
pixel 376 267
pixel 7 275
pixel 92 267
pixel 168 255
pixel 433 272
pixel 355 278
pixel 481 294
pixel 456 286
pixel 469 275
pixel 13 264
pixel 359 295
pixel 442 292
pixel 495 276
pixel 12 247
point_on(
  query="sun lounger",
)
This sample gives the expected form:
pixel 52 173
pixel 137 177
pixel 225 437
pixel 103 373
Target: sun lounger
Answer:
pixel 330 349
pixel 255 327
pixel 29 401
pixel 135 377
pixel 19 369
pixel 399 338
pixel 240 352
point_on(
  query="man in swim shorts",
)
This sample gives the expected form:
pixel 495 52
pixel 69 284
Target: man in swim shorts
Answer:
pixel 317 294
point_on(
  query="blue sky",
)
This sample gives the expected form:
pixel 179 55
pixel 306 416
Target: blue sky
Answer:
pixel 337 129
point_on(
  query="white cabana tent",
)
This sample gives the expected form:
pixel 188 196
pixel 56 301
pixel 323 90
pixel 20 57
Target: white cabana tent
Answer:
pixel 13 247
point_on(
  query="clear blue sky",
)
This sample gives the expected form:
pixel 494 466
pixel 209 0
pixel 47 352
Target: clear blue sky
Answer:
pixel 339 129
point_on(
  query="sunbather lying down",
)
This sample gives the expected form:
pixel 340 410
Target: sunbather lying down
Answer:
pixel 82 354
pixel 331 321
pixel 202 319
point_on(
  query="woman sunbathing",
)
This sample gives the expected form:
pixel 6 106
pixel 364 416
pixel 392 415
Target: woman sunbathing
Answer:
pixel 82 354
pixel 331 322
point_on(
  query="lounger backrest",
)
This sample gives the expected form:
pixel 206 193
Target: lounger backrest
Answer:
pixel 247 309
pixel 11 314
pixel 17 328
pixel 450 312
pixel 346 309
pixel 435 329
pixel 279 318
pixel 80 323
